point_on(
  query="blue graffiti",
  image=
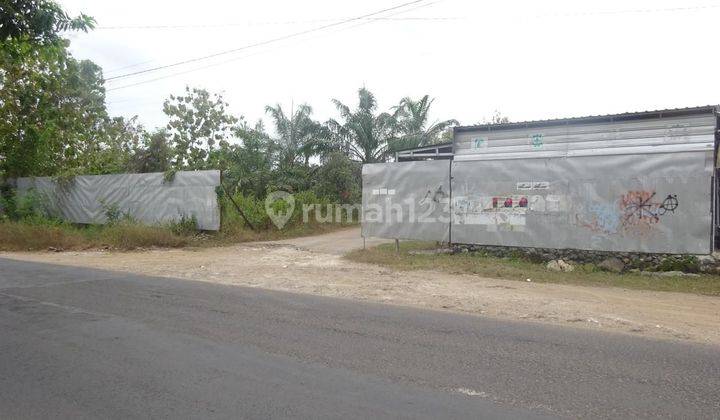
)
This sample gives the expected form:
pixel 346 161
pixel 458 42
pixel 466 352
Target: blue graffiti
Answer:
pixel 605 217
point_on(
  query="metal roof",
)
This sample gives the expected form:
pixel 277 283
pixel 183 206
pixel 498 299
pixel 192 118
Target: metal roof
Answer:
pixel 627 116
pixel 428 146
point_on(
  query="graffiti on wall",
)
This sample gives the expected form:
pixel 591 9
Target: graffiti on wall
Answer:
pixel 434 195
pixel 634 212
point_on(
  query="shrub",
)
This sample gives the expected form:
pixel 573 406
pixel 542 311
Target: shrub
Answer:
pixel 187 225
pixel 339 179
pixel 128 235
pixel 684 263
pixel 113 213
pixel 24 236
pixel 30 204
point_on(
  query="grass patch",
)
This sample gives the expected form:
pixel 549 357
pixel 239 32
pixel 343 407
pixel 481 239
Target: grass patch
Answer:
pixel 28 223
pixel 43 234
pixel 27 236
pixel 518 268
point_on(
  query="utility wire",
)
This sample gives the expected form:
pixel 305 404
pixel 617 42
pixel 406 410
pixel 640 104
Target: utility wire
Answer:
pixel 384 18
pixel 294 22
pixel 251 23
pixel 200 26
pixel 253 54
pixel 266 42
pixel 129 66
pixel 367 20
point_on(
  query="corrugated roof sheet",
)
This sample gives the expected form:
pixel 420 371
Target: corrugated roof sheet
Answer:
pixel 592 118
pixel 429 146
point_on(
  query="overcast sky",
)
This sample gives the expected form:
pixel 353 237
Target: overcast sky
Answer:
pixel 526 59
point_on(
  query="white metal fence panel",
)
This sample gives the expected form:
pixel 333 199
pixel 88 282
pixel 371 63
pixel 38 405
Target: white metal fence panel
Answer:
pixel 406 200
pixel 632 182
pixel 644 203
pixel 147 198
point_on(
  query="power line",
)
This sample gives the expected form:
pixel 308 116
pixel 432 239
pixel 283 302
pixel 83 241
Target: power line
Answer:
pixel 364 21
pixel 253 54
pixel 251 23
pixel 129 66
pixel 266 42
pixel 294 22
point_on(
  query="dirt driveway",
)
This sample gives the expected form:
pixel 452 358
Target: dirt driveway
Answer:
pixel 315 265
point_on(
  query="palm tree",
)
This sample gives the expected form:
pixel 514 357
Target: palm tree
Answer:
pixel 363 135
pixel 298 136
pixel 413 122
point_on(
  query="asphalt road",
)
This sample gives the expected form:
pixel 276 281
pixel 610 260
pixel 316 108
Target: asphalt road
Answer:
pixel 87 343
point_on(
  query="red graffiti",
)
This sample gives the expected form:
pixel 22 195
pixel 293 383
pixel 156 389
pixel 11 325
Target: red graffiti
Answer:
pixel 641 210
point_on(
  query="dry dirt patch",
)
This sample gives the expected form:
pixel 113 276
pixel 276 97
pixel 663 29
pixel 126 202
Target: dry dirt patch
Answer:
pixel 288 267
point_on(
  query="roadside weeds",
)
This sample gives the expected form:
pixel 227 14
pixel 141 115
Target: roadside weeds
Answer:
pixel 409 259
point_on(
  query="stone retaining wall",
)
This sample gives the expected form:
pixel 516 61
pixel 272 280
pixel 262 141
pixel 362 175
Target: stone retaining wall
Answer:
pixel 611 261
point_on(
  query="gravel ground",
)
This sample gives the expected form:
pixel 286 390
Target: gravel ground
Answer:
pixel 314 265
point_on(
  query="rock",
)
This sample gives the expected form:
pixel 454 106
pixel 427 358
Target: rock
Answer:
pixel 431 251
pixel 668 274
pixel 710 269
pixel 612 264
pixel 708 263
pixel 706 260
pixel 553 266
pixel 559 265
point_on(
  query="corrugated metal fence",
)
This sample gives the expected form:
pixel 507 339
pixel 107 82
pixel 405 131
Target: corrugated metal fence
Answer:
pixel 148 198
pixel 643 185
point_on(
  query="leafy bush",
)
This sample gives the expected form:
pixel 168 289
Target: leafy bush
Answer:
pixel 113 213
pixel 31 204
pixel 187 225
pixel 684 263
pixel 339 179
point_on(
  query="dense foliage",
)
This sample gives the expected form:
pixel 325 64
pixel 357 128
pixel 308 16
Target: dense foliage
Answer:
pixel 54 122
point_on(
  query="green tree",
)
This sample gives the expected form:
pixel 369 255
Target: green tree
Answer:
pixel 110 147
pixel 298 135
pixel 414 126
pixel 38 21
pixel 499 118
pixel 496 118
pixel 363 134
pixel 247 166
pixel 198 124
pixel 154 154
pixel 338 178
pixel 52 107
